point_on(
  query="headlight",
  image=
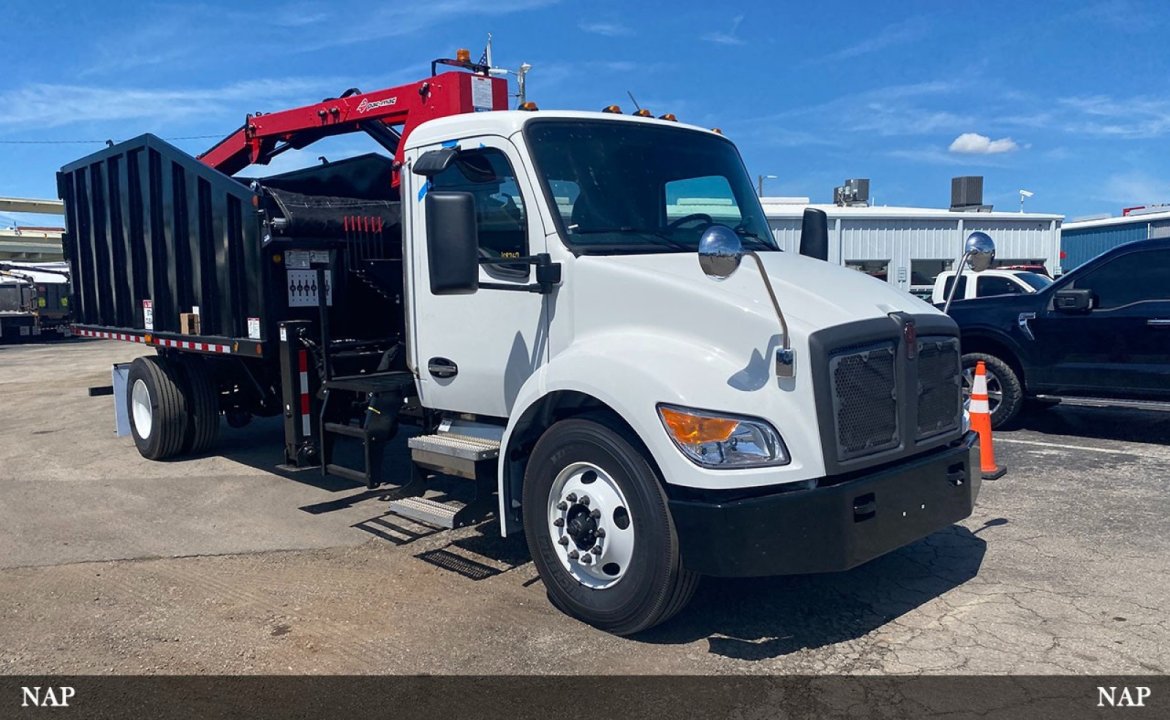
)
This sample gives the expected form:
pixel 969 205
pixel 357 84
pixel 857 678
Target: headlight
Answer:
pixel 723 441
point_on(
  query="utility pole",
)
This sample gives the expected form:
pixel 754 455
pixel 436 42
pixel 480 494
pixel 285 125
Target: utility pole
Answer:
pixel 760 183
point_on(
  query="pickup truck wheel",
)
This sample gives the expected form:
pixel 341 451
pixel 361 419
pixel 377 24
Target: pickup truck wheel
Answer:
pixel 600 531
pixel 158 408
pixel 1004 393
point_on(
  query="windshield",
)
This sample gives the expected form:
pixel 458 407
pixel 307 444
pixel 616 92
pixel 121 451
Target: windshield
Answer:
pixel 1035 280
pixel 637 187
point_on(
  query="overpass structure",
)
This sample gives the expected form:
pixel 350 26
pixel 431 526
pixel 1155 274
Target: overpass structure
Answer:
pixel 40 244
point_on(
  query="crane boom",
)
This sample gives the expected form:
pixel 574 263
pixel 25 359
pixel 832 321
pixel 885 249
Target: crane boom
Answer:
pixel 266 135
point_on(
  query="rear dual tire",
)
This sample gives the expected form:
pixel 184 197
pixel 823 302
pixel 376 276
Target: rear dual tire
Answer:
pixel 173 406
pixel 591 477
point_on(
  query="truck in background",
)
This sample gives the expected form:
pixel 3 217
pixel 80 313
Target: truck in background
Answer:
pixel 647 394
pixel 988 283
pixel 34 301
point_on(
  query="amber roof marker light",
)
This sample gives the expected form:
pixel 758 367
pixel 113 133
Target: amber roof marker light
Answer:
pixel 612 109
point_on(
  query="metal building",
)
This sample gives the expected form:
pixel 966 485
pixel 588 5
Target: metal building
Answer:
pixel 1084 240
pixel 911 246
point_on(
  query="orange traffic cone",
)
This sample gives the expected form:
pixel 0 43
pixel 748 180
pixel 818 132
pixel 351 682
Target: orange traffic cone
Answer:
pixel 981 423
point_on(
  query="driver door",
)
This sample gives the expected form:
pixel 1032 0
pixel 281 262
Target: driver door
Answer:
pixel 474 352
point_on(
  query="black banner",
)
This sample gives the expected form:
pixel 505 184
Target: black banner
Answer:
pixel 585 697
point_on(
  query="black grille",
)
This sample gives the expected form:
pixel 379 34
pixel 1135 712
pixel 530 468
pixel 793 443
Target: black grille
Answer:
pixel 939 392
pixel 865 402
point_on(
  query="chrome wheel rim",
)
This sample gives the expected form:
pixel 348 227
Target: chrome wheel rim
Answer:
pixel 141 409
pixel 590 525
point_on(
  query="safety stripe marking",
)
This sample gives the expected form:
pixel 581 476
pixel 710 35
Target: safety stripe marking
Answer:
pixel 164 342
pixel 303 378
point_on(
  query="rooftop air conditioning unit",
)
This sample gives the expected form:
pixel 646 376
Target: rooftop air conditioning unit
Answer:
pixel 967 194
pixel 853 192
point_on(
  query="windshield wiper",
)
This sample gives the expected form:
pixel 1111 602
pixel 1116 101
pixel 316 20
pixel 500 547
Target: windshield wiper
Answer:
pixel 751 235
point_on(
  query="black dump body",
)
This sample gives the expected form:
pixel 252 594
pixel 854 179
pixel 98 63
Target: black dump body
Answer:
pixel 153 233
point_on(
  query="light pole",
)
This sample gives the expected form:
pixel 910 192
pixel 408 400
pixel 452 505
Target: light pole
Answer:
pixel 760 183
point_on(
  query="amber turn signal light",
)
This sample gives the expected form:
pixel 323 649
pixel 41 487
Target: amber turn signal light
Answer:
pixel 691 429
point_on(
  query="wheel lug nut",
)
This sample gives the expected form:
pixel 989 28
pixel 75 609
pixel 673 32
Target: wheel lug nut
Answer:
pixel 600 532
pixel 573 555
pixel 596 549
pixel 585 500
pixel 562 505
pixel 571 497
pixel 586 560
pixel 564 540
pixel 559 522
pixel 594 513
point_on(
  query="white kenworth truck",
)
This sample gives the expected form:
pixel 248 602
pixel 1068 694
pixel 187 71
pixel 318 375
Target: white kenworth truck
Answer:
pixel 648 392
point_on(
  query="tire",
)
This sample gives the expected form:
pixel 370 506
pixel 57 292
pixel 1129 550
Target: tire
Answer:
pixel 637 580
pixel 1004 391
pixel 202 405
pixel 158 407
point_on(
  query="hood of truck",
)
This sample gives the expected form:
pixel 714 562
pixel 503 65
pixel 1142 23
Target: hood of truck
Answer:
pixel 661 330
pixel 812 294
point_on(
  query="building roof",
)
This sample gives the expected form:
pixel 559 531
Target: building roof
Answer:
pixel 787 210
pixel 1143 219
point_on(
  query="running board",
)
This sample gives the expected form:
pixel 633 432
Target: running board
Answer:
pixel 1108 403
pixel 425 511
pixel 464 456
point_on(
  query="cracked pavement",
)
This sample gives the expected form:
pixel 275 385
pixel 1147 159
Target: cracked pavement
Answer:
pixel 113 564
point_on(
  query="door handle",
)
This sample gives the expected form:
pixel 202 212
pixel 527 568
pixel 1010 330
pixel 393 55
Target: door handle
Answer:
pixel 441 367
pixel 1159 322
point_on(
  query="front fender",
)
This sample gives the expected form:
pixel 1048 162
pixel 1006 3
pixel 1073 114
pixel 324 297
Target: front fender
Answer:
pixel 632 374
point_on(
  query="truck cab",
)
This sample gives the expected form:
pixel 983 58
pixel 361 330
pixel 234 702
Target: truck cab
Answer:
pixel 1098 335
pixel 748 441
pixel 585 314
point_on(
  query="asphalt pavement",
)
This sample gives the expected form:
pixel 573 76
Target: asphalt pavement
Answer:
pixel 110 563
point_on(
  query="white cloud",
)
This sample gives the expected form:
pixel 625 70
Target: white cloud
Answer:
pixel 727 38
pixel 889 36
pixel 51 105
pixel 1134 188
pixel 976 144
pixel 607 29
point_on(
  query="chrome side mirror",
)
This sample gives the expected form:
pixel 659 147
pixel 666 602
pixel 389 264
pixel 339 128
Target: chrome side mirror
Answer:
pixel 980 251
pixel 720 252
pixel 978 254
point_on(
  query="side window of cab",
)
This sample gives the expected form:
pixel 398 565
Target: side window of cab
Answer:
pixel 1135 277
pixel 501 217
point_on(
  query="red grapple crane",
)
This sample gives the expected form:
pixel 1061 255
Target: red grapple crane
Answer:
pixel 378 113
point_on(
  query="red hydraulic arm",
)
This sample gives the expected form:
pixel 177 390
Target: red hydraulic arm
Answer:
pixel 266 135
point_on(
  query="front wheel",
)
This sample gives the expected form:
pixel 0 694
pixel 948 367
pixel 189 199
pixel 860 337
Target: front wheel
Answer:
pixel 1005 394
pixel 599 529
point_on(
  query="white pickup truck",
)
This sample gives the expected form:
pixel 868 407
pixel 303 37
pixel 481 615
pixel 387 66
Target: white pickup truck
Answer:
pixel 988 283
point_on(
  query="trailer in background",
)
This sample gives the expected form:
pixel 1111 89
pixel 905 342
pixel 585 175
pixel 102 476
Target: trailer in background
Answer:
pixel 1083 240
pixel 909 247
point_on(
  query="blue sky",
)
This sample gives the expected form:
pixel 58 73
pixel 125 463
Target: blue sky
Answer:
pixel 1067 99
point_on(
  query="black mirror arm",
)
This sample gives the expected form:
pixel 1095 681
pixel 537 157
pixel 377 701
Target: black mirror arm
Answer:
pixel 548 273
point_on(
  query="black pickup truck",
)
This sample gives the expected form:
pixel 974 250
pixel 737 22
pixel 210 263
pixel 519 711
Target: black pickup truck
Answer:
pixel 1100 333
